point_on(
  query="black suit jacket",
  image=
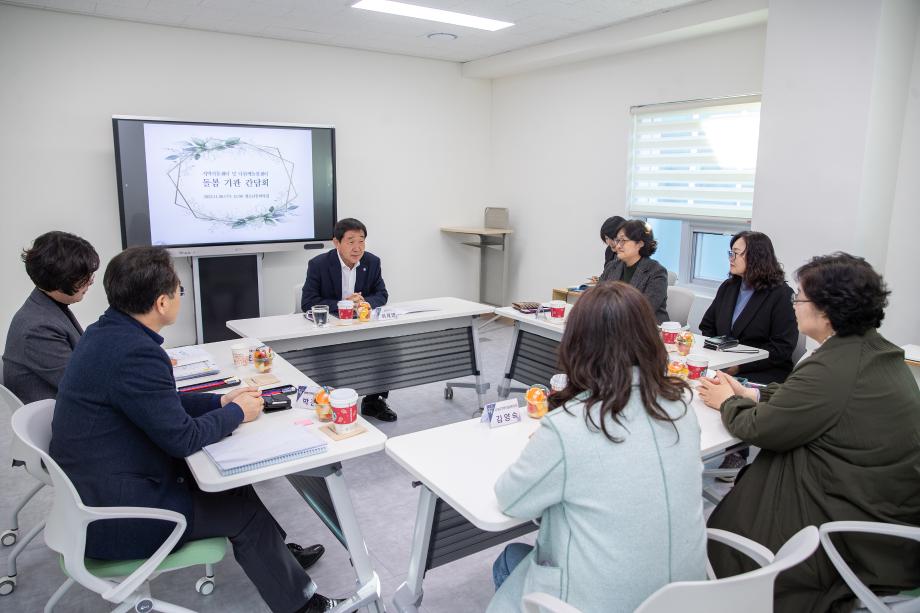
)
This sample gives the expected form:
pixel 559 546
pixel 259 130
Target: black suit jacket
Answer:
pixel 324 281
pixel 767 322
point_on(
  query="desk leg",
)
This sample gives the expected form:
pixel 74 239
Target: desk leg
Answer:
pixel 504 388
pixel 477 359
pixel 408 596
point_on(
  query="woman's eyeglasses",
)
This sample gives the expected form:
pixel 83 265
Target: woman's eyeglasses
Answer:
pixel 797 300
pixel 622 241
pixel 734 254
pixel 181 291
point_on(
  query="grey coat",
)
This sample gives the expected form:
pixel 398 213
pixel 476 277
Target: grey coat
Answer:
pixel 650 278
pixel 618 520
pixel 38 346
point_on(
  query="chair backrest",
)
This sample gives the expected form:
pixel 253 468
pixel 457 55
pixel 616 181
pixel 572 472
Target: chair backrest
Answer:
pixel 867 598
pixel 799 350
pixel 496 217
pixel 9 399
pixel 36 436
pixel 298 294
pixel 680 301
pixel 750 592
pixel 672 277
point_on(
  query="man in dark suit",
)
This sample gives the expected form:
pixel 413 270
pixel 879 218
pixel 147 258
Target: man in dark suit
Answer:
pixel 44 332
pixel 121 432
pixel 348 272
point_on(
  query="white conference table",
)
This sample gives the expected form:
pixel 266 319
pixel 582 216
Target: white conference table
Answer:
pixel 457 466
pixel 438 343
pixel 319 479
pixel 532 355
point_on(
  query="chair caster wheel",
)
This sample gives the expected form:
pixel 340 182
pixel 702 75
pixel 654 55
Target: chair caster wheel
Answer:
pixel 204 586
pixel 448 393
pixel 7 585
pixel 8 538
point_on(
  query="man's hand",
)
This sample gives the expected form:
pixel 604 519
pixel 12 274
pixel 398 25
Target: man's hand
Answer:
pixel 248 398
pixel 231 396
pixel 717 390
pixel 356 297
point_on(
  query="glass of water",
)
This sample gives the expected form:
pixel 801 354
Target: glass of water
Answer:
pixel 320 315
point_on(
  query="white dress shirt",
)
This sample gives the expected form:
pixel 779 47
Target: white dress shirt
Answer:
pixel 349 276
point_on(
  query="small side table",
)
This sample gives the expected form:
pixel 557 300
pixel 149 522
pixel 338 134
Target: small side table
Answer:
pixel 493 260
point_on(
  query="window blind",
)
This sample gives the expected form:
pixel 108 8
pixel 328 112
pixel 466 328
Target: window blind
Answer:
pixel 694 159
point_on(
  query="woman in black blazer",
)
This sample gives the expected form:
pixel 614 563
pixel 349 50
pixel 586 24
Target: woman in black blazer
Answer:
pixel 635 243
pixel 754 305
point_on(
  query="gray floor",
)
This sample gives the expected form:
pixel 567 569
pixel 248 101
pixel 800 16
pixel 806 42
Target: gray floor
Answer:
pixel 382 494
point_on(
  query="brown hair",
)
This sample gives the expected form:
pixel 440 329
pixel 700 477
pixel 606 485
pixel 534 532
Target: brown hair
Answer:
pixel 610 330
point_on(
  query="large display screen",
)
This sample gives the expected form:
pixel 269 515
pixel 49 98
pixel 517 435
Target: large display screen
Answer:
pixel 190 185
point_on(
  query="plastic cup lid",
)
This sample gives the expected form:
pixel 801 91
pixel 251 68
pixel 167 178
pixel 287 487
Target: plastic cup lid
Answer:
pixel 343 397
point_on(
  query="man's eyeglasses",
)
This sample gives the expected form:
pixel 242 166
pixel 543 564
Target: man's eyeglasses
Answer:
pixel 734 254
pixel 797 300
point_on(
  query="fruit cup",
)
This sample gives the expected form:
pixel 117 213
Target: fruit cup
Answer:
pixel 323 409
pixel 262 359
pixel 537 401
pixel 684 342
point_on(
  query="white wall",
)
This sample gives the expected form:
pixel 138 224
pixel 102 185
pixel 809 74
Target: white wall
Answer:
pixel 412 141
pixel 560 142
pixel 902 321
pixel 832 132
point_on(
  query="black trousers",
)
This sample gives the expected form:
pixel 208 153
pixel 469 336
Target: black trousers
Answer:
pixel 258 545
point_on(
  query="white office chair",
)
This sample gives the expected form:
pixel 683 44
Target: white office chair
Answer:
pixel 867 600
pixel 10 536
pixel 799 350
pixel 65 529
pixel 672 277
pixel 298 293
pixel 680 301
pixel 750 592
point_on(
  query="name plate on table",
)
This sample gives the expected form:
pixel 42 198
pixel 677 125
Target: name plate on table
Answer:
pixel 502 413
pixel 383 314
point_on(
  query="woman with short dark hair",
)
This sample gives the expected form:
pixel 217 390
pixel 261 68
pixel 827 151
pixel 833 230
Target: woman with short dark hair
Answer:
pixel 613 471
pixel 44 332
pixel 839 441
pixel 634 245
pixel 609 230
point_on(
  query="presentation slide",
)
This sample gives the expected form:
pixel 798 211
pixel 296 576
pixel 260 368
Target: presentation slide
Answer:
pixel 221 184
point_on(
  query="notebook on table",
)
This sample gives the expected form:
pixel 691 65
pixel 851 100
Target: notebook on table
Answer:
pixel 244 451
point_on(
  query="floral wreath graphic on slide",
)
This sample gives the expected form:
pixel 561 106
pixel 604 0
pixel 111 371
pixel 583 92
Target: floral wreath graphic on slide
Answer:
pixel 211 148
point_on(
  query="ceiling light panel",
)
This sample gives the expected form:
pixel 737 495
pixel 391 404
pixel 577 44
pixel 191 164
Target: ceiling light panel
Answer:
pixel 430 14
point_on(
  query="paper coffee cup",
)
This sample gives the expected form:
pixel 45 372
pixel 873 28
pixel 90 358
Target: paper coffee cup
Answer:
pixel 344 402
pixel 240 355
pixel 346 311
pixel 669 332
pixel 696 366
pixel 557 309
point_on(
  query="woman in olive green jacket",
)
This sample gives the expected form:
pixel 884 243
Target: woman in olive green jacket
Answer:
pixel 840 440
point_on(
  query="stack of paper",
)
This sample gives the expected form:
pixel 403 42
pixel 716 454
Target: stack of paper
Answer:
pixel 191 362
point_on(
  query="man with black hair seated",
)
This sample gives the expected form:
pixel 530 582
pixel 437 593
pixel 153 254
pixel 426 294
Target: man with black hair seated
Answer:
pixel 121 432
pixel 348 272
pixel 44 332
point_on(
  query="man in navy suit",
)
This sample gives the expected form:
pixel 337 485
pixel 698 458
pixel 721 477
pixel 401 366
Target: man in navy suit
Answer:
pixel 121 432
pixel 348 272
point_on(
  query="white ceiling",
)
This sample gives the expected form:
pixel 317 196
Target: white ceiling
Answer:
pixel 334 22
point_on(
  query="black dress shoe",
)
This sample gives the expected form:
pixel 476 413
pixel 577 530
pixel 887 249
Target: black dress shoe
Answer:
pixel 306 556
pixel 320 604
pixel 377 408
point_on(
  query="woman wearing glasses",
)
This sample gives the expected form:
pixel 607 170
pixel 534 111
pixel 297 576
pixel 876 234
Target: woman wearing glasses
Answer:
pixel 634 244
pixel 753 305
pixel 839 441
